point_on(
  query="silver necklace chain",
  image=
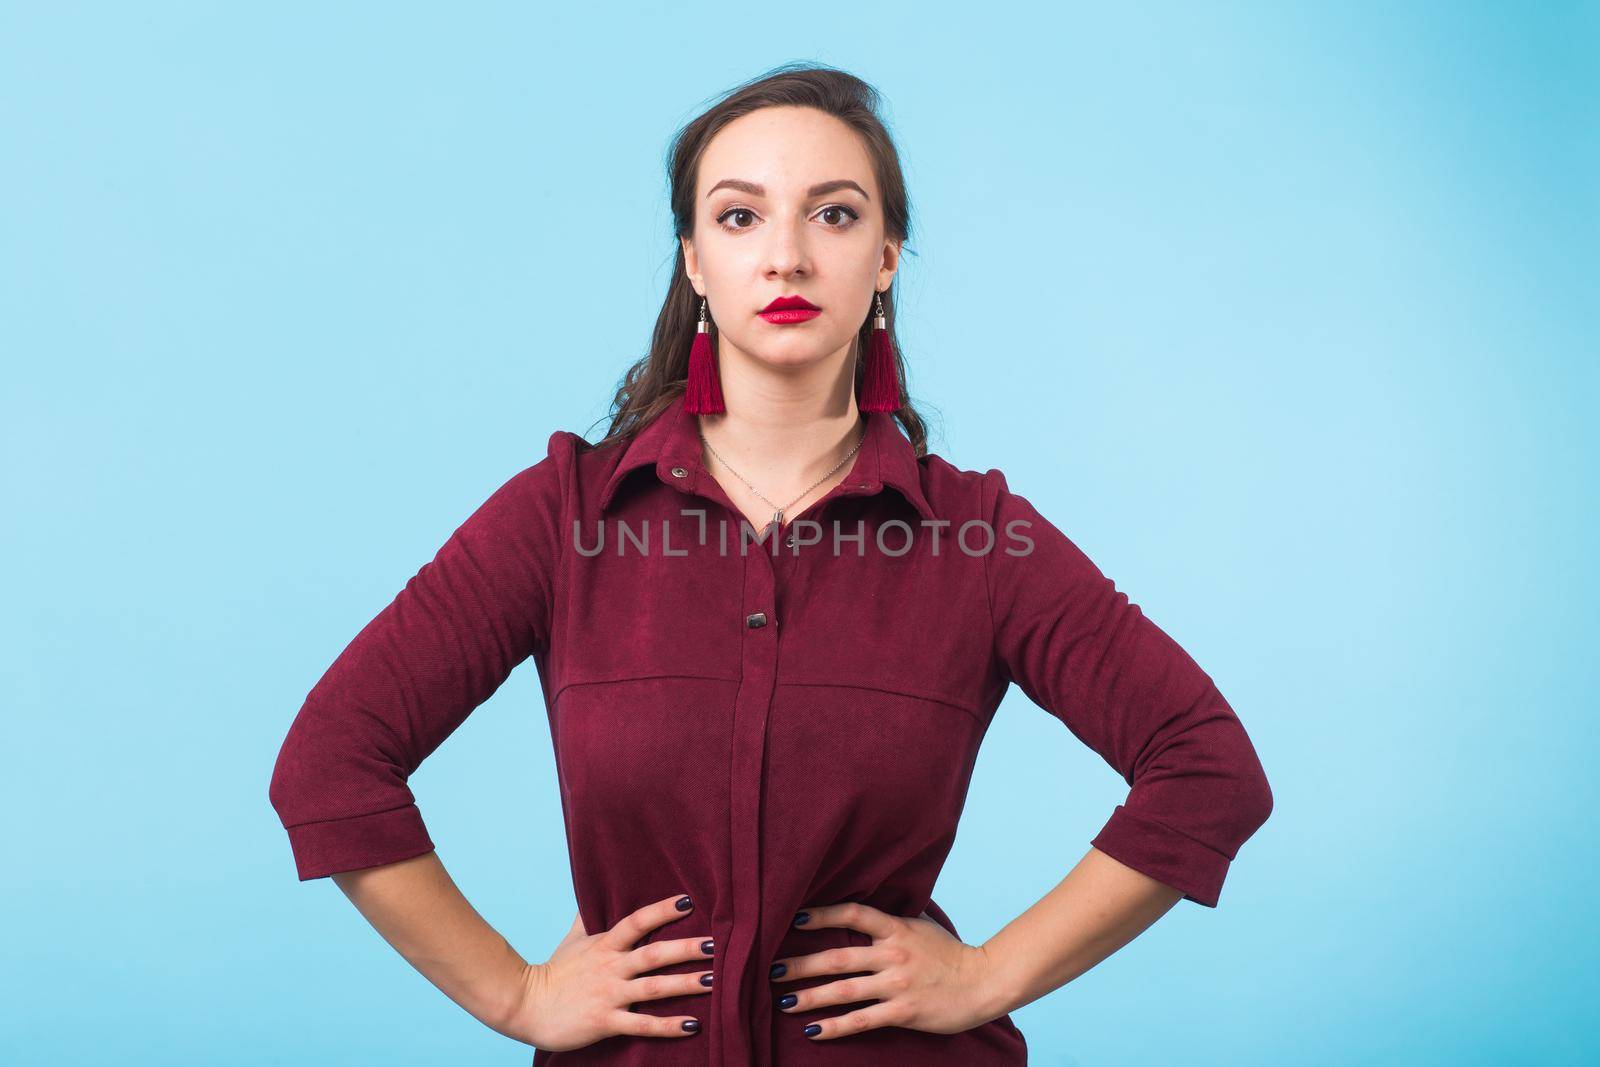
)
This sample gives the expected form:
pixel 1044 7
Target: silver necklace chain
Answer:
pixel 777 514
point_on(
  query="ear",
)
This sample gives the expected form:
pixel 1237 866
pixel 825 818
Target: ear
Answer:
pixel 691 266
pixel 890 264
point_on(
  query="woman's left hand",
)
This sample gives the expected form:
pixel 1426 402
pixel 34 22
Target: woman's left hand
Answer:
pixel 922 977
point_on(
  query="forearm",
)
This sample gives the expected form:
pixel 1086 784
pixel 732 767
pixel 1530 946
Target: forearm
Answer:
pixel 418 909
pixel 1097 908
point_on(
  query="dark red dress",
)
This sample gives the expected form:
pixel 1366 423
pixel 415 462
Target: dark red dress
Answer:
pixel 767 724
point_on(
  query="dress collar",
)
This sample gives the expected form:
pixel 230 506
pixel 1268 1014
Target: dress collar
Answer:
pixel 671 442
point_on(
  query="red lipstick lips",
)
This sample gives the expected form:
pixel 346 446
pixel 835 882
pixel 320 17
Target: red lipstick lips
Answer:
pixel 790 309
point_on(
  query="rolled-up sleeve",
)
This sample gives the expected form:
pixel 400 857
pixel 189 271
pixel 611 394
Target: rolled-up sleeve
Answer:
pixel 415 672
pixel 1080 649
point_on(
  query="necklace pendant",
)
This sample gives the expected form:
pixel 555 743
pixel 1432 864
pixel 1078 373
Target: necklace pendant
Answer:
pixel 777 520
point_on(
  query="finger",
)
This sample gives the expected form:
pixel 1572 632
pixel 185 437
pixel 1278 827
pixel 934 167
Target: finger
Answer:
pixel 659 986
pixel 638 1024
pixel 830 994
pixel 852 914
pixel 854 1022
pixel 632 928
pixel 831 961
pixel 654 955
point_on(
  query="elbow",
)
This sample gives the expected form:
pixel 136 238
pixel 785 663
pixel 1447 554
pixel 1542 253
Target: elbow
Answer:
pixel 324 769
pixel 1249 794
pixel 1252 802
pixel 342 799
pixel 1260 808
pixel 301 775
pixel 283 787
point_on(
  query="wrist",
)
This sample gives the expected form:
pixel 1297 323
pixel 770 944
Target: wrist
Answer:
pixel 513 1008
pixel 994 992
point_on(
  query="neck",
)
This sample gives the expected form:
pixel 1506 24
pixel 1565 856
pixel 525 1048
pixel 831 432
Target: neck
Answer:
pixel 783 431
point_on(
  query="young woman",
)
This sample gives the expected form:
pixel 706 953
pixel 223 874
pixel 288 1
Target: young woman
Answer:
pixel 771 630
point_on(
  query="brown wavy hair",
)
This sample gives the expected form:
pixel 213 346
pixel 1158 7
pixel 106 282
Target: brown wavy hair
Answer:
pixel 651 384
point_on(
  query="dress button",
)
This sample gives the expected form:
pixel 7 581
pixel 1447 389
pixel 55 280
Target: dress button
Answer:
pixel 756 621
pixel 678 472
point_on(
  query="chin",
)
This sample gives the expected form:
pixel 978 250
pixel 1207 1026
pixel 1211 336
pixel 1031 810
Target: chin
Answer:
pixel 794 351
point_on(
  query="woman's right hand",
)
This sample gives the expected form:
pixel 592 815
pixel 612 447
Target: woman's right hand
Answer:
pixel 582 993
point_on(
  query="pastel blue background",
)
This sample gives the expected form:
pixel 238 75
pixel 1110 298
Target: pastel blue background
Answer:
pixel 1283 313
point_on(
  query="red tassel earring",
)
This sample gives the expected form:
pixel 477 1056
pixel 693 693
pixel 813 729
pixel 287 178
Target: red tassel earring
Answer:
pixel 703 391
pixel 880 387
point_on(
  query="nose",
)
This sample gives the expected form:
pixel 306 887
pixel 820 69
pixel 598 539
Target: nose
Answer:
pixel 786 249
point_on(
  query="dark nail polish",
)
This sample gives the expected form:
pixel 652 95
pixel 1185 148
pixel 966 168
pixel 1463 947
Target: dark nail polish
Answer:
pixel 707 946
pixel 802 918
pixel 684 903
pixel 779 970
pixel 813 1030
pixel 705 979
pixel 788 1000
pixel 691 1025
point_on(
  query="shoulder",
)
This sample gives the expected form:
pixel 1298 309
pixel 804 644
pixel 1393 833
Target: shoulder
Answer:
pixel 567 455
pixel 954 491
pixel 539 488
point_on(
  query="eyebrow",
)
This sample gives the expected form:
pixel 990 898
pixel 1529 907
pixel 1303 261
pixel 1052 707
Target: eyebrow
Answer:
pixel 820 189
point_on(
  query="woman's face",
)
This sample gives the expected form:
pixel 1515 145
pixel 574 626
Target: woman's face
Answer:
pixel 786 204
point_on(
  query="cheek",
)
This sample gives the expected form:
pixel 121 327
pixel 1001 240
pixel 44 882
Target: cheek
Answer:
pixel 733 271
pixel 853 282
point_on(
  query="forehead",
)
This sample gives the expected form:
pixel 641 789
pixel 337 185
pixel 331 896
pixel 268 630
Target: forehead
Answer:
pixel 786 149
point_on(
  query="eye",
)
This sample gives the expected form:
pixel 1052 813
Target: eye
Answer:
pixel 730 213
pixel 840 207
pixel 833 210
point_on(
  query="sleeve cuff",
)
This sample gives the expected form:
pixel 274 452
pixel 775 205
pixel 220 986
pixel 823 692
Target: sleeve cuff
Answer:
pixel 1164 854
pixel 334 845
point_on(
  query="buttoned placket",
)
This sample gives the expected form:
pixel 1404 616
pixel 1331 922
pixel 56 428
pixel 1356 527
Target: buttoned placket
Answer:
pixel 743 990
